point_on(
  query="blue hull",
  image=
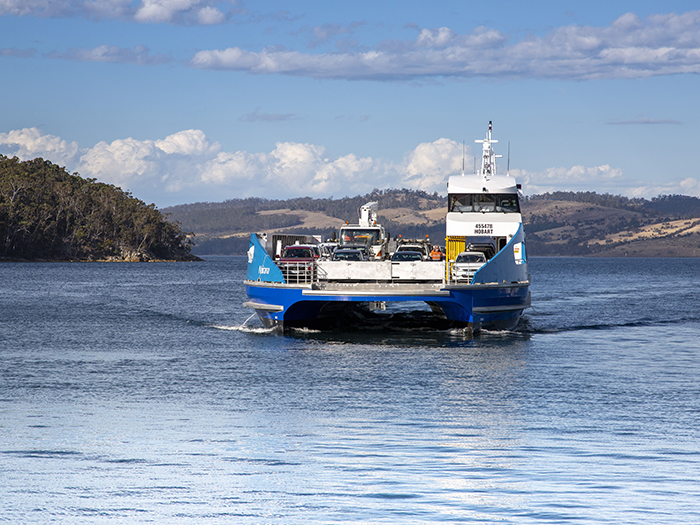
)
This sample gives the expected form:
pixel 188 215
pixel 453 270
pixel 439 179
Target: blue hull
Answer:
pixel 497 307
pixel 495 300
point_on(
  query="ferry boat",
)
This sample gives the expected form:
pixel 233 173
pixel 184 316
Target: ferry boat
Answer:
pixel 482 283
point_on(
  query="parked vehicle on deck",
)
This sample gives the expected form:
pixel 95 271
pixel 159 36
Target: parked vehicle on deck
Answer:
pixel 366 251
pixel 406 256
pixel 342 254
pixel 298 263
pixel 466 265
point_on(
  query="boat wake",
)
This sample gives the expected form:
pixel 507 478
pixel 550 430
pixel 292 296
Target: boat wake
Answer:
pixel 244 327
pixel 302 330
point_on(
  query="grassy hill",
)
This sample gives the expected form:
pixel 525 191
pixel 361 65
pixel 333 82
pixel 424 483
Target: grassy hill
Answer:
pixel 612 226
pixel 559 224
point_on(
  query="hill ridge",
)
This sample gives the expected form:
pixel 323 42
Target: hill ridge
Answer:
pixel 558 224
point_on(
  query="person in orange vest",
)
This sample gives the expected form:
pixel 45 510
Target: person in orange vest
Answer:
pixel 436 254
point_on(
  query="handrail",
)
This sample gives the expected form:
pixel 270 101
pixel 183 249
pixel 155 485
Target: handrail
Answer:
pixel 299 272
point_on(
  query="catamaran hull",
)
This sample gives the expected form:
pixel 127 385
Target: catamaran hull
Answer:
pixel 495 298
pixel 497 307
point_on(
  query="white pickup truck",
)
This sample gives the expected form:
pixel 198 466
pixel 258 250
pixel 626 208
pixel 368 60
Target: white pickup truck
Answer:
pixel 466 265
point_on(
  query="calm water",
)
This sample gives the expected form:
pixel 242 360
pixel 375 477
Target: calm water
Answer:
pixel 134 393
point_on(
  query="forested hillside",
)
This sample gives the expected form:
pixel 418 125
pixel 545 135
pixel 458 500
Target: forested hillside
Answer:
pixel 48 214
pixel 560 223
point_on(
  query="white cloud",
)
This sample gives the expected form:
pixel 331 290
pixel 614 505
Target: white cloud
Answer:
pixel 104 8
pixel 229 168
pixel 600 179
pixel 138 55
pixel 577 178
pixel 29 143
pixel 169 11
pixel 202 12
pixel 430 164
pixel 294 169
pixel 155 11
pixel 48 8
pixel 209 15
pixel 435 38
pixel 186 166
pixel 120 162
pixel 690 186
pixel 188 142
pixel 169 165
pixel 629 47
pixel 187 163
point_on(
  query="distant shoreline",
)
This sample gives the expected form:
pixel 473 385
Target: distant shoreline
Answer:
pixel 566 224
pixel 194 258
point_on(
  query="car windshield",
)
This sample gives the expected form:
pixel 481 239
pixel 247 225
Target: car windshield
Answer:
pixel 470 258
pixel 359 235
pixel 294 253
pixel 406 256
pixel 347 256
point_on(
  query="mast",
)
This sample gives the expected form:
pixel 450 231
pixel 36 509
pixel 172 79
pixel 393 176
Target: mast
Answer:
pixel 488 157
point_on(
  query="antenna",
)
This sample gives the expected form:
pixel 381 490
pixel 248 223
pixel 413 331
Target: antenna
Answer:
pixel 508 169
pixel 463 157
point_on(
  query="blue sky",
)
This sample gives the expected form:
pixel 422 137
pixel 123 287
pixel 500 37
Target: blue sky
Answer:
pixel 203 100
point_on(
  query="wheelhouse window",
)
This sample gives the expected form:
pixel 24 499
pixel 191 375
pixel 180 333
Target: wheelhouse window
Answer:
pixel 484 202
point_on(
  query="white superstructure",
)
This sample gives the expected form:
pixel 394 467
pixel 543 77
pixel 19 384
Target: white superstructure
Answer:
pixel 484 204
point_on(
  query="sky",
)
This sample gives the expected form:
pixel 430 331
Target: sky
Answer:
pixel 182 101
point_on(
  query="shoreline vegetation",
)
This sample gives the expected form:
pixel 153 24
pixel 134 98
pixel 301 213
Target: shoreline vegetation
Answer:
pixel 48 214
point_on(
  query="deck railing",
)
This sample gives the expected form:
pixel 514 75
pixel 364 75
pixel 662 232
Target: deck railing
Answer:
pixel 299 272
pixel 462 280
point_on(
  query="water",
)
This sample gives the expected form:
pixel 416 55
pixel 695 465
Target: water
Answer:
pixel 143 393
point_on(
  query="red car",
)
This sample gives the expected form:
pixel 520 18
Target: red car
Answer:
pixel 298 263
